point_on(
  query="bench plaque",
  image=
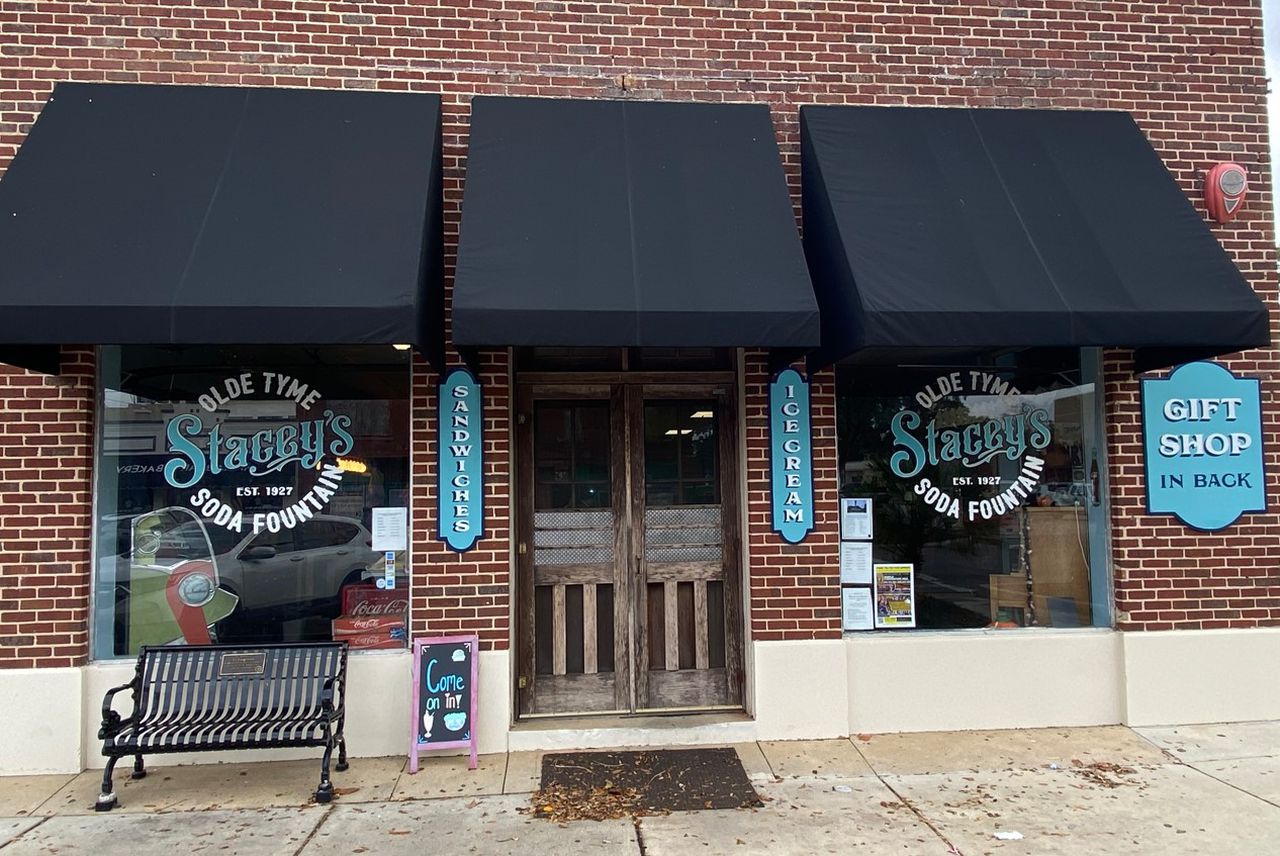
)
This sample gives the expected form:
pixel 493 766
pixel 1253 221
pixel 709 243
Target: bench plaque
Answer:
pixel 242 665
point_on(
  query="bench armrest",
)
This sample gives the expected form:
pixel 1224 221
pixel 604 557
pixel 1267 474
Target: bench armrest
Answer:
pixel 111 721
pixel 332 698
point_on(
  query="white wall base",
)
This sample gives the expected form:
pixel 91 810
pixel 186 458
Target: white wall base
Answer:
pixel 804 690
pixel 41 716
pixel 1178 677
pixel 955 681
pixel 801 689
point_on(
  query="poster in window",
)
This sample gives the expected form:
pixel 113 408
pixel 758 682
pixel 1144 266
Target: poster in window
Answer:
pixel 895 596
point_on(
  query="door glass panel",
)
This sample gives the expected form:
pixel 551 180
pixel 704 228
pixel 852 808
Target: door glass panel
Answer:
pixel 681 464
pixel 571 455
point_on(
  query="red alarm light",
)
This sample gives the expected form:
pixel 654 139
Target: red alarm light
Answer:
pixel 1224 188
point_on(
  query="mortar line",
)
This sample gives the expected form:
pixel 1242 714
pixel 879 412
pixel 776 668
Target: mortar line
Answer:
pixel 38 824
pixel 902 799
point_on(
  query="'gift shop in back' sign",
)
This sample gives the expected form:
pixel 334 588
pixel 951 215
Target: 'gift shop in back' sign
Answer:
pixel 1202 438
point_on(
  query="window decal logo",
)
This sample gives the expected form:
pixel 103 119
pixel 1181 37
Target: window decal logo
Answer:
pixel 202 447
pixel 935 436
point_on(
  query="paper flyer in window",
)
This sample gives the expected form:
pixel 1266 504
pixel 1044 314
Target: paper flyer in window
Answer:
pixel 390 529
pixel 855 608
pixel 855 563
pixel 855 519
pixel 895 587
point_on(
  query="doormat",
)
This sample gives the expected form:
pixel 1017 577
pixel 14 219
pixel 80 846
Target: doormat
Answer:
pixel 606 785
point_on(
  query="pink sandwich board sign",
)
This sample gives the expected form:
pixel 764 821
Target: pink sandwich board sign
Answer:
pixel 444 696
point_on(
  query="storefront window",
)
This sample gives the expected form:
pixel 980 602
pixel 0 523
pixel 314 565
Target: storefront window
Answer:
pixel 987 479
pixel 235 490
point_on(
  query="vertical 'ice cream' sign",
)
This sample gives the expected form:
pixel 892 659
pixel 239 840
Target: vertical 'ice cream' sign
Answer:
pixel 791 440
pixel 1202 438
pixel 461 456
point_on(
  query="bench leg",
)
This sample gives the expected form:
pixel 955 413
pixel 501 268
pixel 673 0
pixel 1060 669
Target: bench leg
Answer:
pixel 341 766
pixel 107 799
pixel 324 793
pixel 139 771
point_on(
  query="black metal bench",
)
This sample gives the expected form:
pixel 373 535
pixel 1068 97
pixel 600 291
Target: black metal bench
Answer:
pixel 194 698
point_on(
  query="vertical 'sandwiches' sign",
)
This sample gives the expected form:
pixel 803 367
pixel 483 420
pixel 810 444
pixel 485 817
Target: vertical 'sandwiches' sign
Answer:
pixel 444 696
pixel 1202 443
pixel 791 458
pixel 461 457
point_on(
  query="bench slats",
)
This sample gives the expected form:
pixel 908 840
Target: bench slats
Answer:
pixel 185 700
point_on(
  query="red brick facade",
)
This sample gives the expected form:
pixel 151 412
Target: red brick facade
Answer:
pixel 1191 75
pixel 468 592
pixel 46 488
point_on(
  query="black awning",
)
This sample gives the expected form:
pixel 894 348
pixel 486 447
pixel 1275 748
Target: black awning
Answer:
pixel 620 223
pixel 205 215
pixel 945 228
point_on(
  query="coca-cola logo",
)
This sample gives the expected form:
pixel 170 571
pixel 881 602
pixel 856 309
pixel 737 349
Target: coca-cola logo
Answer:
pixel 366 600
pixel 375 608
pixel 367 624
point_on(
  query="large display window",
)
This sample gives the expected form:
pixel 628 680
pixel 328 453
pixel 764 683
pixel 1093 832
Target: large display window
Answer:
pixel 986 477
pixel 236 490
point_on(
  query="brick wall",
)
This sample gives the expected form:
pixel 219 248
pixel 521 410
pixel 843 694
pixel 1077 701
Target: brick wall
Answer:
pixel 1191 74
pixel 467 592
pixel 46 454
pixel 795 588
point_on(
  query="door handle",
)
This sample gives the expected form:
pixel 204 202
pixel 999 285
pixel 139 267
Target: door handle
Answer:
pixel 341 552
pixel 295 559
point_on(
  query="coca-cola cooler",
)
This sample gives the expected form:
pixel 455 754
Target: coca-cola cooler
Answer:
pixel 372 618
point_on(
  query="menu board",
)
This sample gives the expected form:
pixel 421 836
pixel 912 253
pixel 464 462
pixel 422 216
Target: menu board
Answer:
pixel 444 696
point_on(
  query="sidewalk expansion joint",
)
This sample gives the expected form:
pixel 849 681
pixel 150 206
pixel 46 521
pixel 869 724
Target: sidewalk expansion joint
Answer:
pixel 312 834
pixel 952 849
pixel 22 834
pixel 1235 786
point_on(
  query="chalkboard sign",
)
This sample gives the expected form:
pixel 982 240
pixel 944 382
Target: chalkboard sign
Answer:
pixel 444 696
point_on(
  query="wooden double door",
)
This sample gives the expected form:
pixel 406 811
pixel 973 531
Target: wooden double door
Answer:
pixel 629 582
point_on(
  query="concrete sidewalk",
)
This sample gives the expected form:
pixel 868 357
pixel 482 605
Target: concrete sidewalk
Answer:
pixel 1098 791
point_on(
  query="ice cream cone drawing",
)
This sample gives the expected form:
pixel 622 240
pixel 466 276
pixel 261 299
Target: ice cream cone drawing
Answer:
pixel 428 719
